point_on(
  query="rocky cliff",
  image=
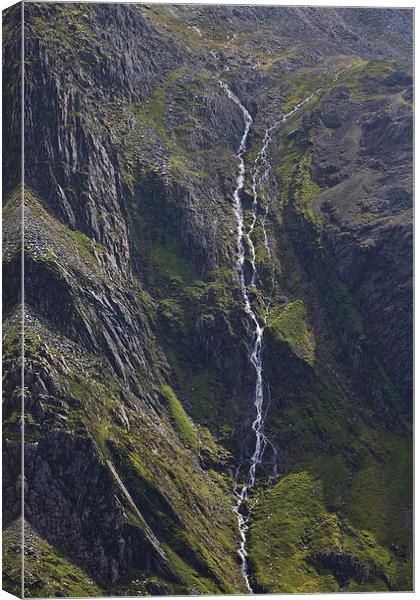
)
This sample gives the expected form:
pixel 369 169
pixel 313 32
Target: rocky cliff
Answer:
pixel 138 385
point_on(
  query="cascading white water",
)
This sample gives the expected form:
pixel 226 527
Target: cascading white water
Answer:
pixel 257 335
pixel 260 176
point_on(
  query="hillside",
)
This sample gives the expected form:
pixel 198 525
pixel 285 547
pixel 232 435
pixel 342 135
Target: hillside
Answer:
pixel 170 357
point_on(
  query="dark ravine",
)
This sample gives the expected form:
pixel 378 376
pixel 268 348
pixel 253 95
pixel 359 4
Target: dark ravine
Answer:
pixel 191 334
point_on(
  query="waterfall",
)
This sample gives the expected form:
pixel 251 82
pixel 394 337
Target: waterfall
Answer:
pixel 257 333
pixel 260 176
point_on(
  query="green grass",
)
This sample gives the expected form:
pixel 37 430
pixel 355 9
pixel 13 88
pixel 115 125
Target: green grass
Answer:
pixel 305 189
pixel 365 79
pixel 335 475
pixel 84 242
pixel 153 112
pixel 47 572
pixel 380 499
pixel 180 419
pixel 172 311
pixel 291 326
pixel 294 538
pixel 184 506
pixel 12 344
pixel 289 520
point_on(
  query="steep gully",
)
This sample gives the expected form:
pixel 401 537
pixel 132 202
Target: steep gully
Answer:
pixel 260 175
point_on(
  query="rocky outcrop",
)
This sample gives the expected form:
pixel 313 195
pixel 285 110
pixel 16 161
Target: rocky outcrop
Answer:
pixel 369 214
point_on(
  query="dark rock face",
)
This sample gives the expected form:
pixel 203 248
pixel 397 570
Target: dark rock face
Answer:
pixel 138 384
pixel 368 217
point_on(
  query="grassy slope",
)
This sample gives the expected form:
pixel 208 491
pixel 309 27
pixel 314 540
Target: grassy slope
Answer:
pixel 47 572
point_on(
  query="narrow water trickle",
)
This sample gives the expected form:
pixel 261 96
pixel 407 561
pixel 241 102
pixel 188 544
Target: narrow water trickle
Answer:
pixel 257 334
pixel 260 176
